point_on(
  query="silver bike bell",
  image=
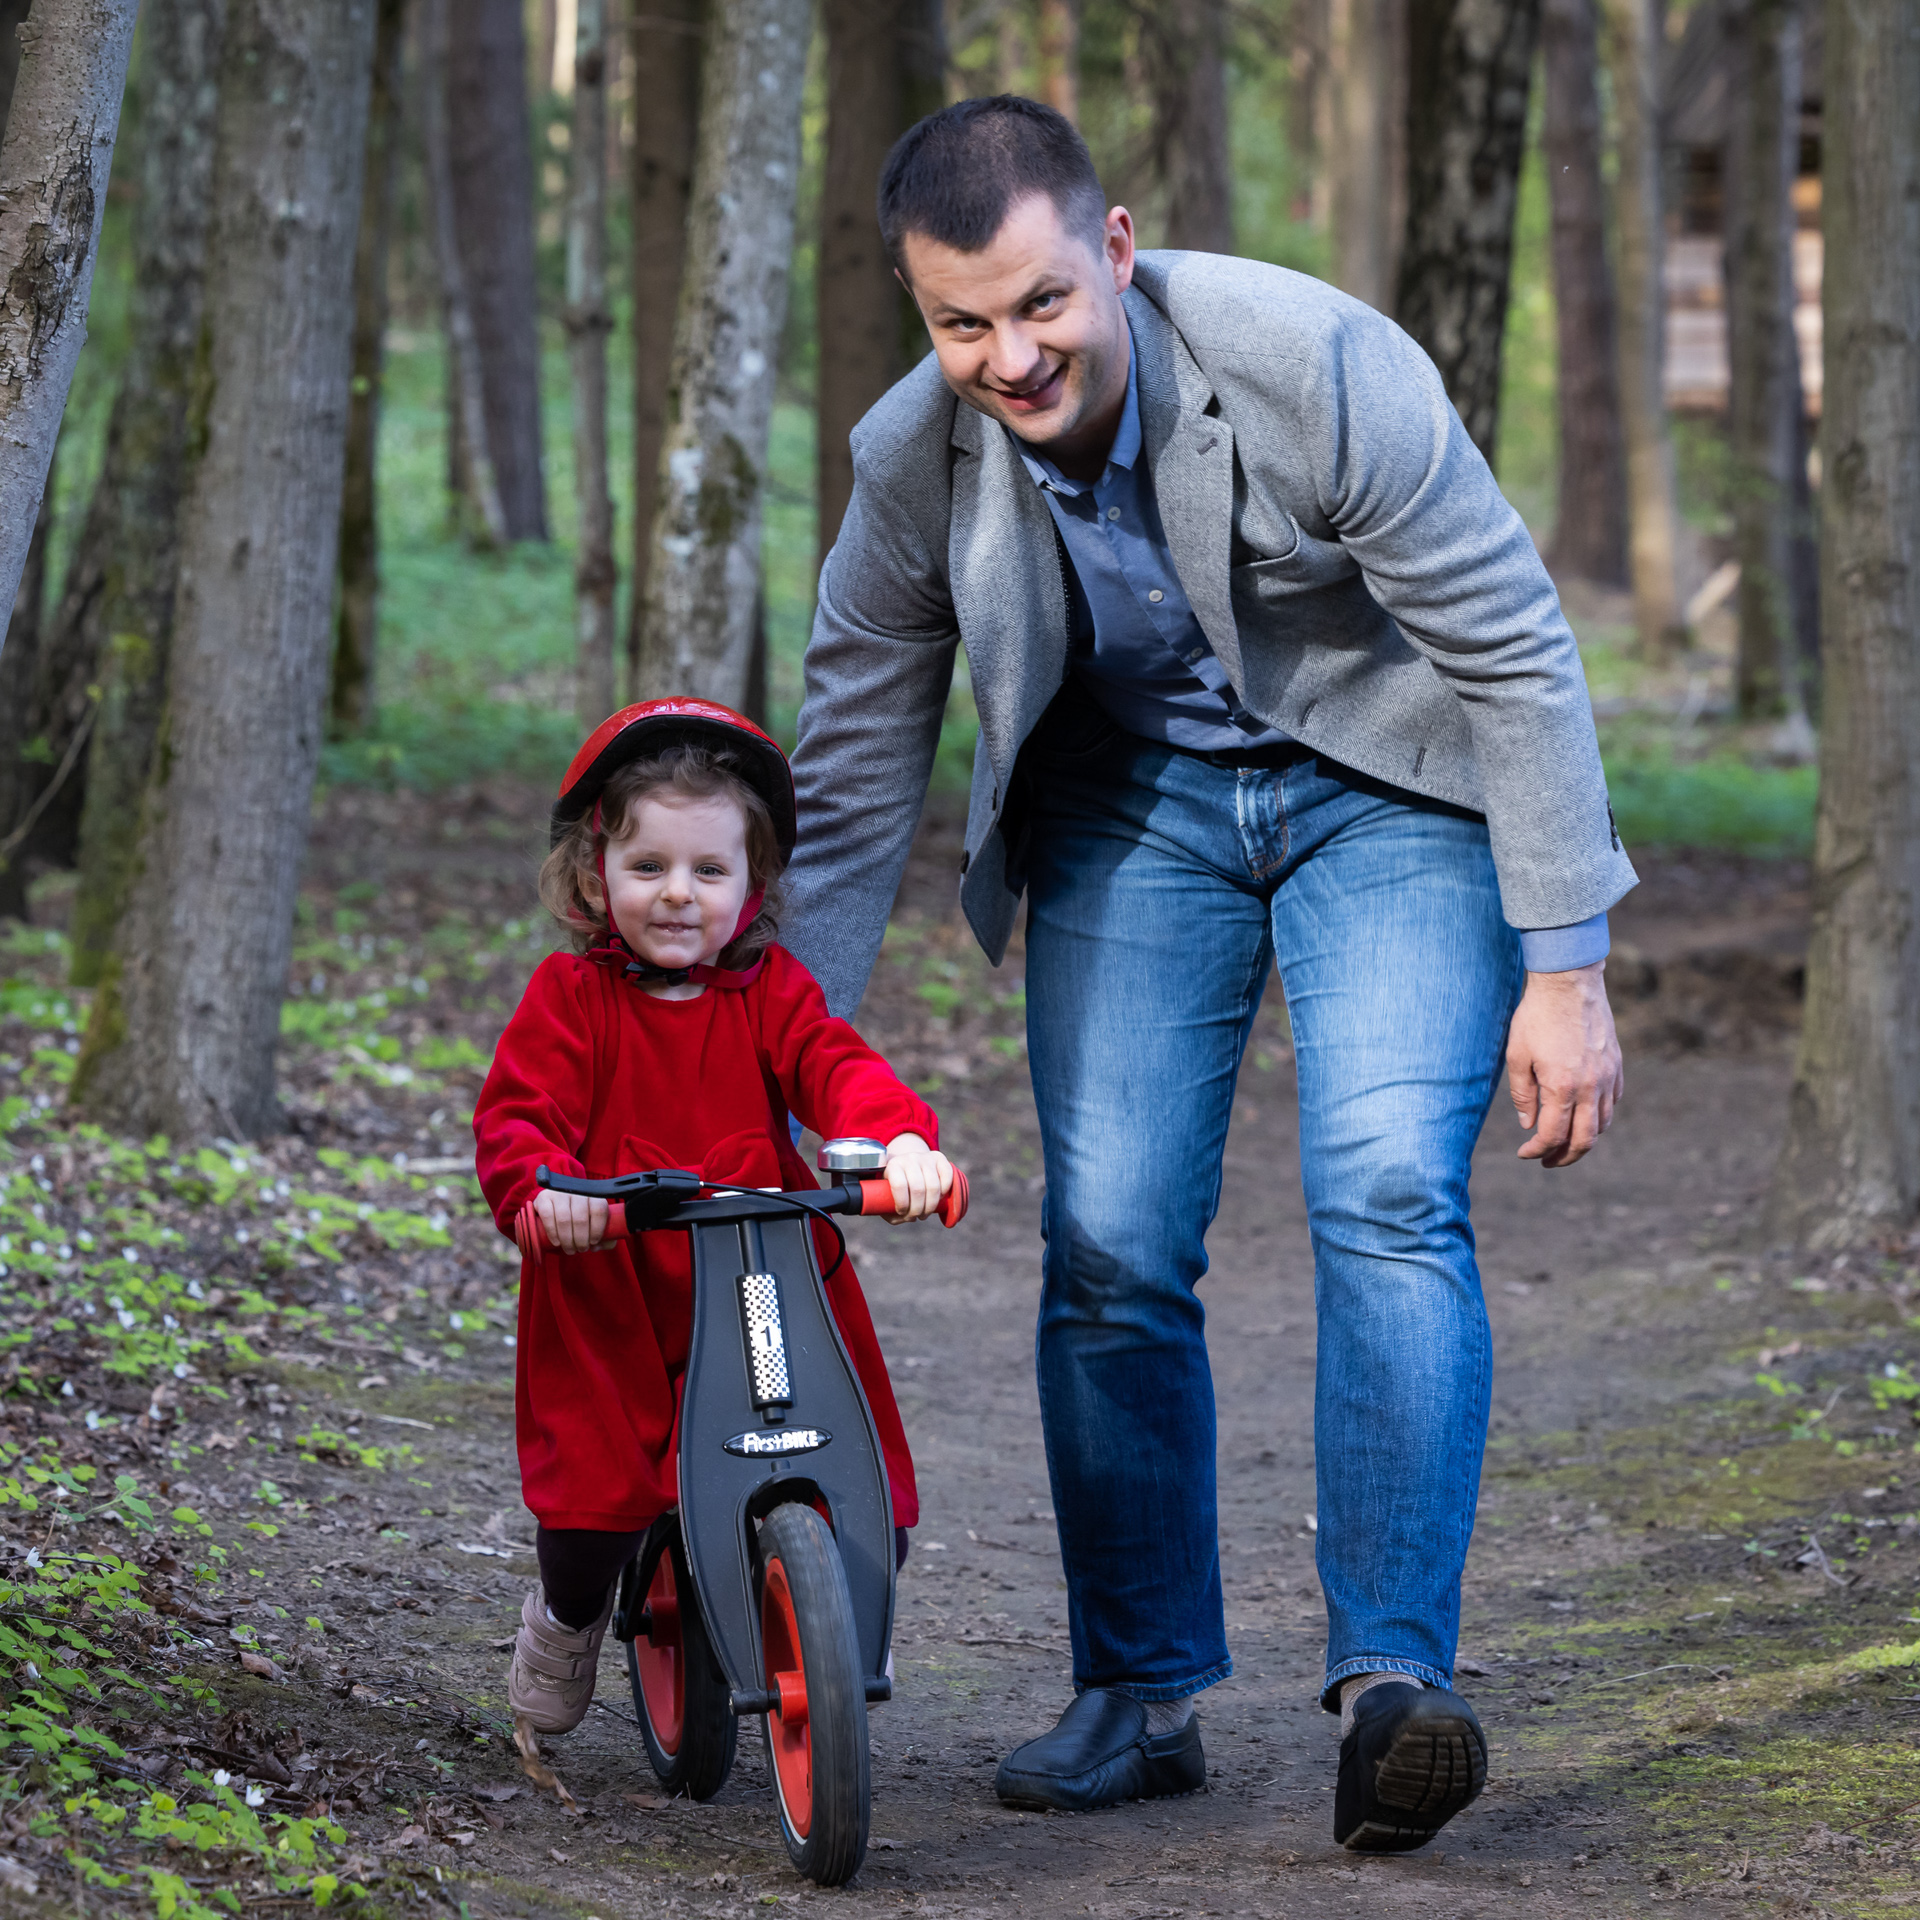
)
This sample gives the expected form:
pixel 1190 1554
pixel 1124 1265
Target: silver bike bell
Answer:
pixel 852 1155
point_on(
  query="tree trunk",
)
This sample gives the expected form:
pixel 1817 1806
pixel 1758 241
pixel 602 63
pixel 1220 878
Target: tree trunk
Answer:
pixel 705 571
pixel 184 1025
pixel 471 478
pixel 1590 529
pixel 588 322
pixel 115 620
pixel 490 142
pixel 879 79
pixel 28 766
pixel 1764 408
pixel 1059 51
pixel 357 631
pixel 1471 62
pixel 54 162
pixel 1367 149
pixel 665 38
pixel 1308 24
pixel 1633 52
pixel 1850 1170
pixel 1187 82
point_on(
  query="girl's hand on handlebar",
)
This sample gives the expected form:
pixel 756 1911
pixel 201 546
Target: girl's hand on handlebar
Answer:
pixel 574 1222
pixel 919 1177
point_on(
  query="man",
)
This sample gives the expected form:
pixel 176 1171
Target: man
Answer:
pixel 1267 671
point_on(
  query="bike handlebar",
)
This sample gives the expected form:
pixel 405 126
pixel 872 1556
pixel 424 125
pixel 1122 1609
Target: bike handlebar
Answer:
pixel 671 1197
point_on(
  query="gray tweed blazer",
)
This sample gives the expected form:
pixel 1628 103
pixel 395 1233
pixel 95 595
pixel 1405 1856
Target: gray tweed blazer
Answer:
pixel 1364 583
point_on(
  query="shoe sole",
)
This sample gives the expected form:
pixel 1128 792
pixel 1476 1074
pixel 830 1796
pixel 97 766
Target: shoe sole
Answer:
pixel 1434 1769
pixel 1011 1796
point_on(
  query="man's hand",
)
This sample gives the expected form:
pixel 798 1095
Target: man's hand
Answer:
pixel 575 1222
pixel 918 1176
pixel 1563 1063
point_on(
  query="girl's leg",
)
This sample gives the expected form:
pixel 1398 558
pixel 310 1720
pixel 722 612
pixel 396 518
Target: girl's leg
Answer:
pixel 577 1566
pixel 562 1622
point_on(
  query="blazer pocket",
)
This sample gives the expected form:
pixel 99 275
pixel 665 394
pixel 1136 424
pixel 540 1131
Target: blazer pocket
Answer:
pixel 1306 566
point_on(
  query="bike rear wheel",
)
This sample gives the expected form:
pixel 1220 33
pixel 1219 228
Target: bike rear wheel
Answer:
pixel 679 1695
pixel 817 1734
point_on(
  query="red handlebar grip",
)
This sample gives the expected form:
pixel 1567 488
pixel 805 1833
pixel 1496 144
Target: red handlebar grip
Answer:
pixel 953 1204
pixel 876 1196
pixel 616 1220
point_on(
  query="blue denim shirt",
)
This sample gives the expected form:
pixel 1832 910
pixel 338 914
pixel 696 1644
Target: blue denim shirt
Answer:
pixel 1141 653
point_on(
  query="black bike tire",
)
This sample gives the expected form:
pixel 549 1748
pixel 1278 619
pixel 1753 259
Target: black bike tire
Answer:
pixel 831 1851
pixel 709 1732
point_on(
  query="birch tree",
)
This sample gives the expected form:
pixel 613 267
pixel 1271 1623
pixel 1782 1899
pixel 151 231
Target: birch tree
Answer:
pixel 588 322
pixel 184 1025
pixel 54 163
pixel 1850 1171
pixel 704 575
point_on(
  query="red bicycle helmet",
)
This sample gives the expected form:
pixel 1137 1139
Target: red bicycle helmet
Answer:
pixel 652 726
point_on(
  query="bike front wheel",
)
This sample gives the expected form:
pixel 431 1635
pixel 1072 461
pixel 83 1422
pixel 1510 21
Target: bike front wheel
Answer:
pixel 679 1695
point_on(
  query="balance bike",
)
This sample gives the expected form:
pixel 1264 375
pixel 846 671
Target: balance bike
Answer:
pixel 769 1591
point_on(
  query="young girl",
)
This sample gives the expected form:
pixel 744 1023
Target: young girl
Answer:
pixel 676 1035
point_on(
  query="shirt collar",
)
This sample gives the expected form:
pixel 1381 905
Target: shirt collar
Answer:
pixel 1126 439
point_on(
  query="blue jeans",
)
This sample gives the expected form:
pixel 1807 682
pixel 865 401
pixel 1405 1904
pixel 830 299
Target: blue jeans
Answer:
pixel 1162 890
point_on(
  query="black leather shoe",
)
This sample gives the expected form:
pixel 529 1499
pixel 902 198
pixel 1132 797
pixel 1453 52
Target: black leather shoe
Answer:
pixel 1101 1753
pixel 1415 1758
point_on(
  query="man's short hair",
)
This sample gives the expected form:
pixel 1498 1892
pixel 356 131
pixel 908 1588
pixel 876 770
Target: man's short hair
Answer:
pixel 955 176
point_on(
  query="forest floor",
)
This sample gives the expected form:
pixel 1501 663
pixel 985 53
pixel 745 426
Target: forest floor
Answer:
pixel 259 1514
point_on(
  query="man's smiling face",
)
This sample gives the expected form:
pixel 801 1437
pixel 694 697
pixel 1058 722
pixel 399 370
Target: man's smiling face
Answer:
pixel 1030 330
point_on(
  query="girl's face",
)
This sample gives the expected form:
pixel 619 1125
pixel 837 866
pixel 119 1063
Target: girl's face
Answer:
pixel 677 878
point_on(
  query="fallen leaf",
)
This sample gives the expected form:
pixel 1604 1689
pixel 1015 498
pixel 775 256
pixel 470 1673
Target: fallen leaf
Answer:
pixel 373 1380
pixel 224 1441
pixel 18 1878
pixel 408 1835
pixel 465 1838
pixel 648 1802
pixel 498 1792
pixel 260 1664
pixel 1472 1668
pixel 535 1767
pixel 360 1691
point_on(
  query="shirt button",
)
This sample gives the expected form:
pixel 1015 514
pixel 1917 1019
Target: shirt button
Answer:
pixel 1155 595
pixel 1193 659
pixel 1113 513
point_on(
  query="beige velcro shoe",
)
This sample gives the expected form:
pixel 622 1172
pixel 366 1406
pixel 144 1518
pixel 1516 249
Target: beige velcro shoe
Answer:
pixel 550 1684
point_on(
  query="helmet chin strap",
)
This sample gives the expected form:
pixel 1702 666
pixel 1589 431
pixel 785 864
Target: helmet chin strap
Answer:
pixel 641 971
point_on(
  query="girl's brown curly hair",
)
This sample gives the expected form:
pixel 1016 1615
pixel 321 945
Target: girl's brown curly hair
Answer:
pixel 570 886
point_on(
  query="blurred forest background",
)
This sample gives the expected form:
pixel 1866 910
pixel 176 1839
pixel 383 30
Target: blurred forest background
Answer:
pixel 474 667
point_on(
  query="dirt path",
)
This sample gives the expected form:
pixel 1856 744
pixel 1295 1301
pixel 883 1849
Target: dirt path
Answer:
pixel 1678 1708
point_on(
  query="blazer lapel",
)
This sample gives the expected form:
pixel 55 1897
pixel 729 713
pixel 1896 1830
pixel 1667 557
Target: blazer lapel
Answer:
pixel 1189 452
pixel 1008 595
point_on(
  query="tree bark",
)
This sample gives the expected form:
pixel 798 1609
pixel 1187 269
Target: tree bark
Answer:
pixel 1764 406
pixel 1187 82
pixel 28 764
pixel 1590 528
pixel 1850 1170
pixel 184 1025
pixel 1471 62
pixel 588 322
pixel 1059 57
pixel 1633 52
pixel 705 571
pixel 490 141
pixel 882 74
pixel 54 162
pixel 471 478
pixel 665 38
pixel 1367 150
pixel 357 630
pixel 115 620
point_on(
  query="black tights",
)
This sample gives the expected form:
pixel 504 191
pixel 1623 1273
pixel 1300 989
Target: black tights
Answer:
pixel 579 1564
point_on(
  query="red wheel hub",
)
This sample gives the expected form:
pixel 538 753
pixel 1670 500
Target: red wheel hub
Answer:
pixel 660 1656
pixel 788 1736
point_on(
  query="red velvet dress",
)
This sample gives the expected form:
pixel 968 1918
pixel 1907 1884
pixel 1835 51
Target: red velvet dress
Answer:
pixel 594 1076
